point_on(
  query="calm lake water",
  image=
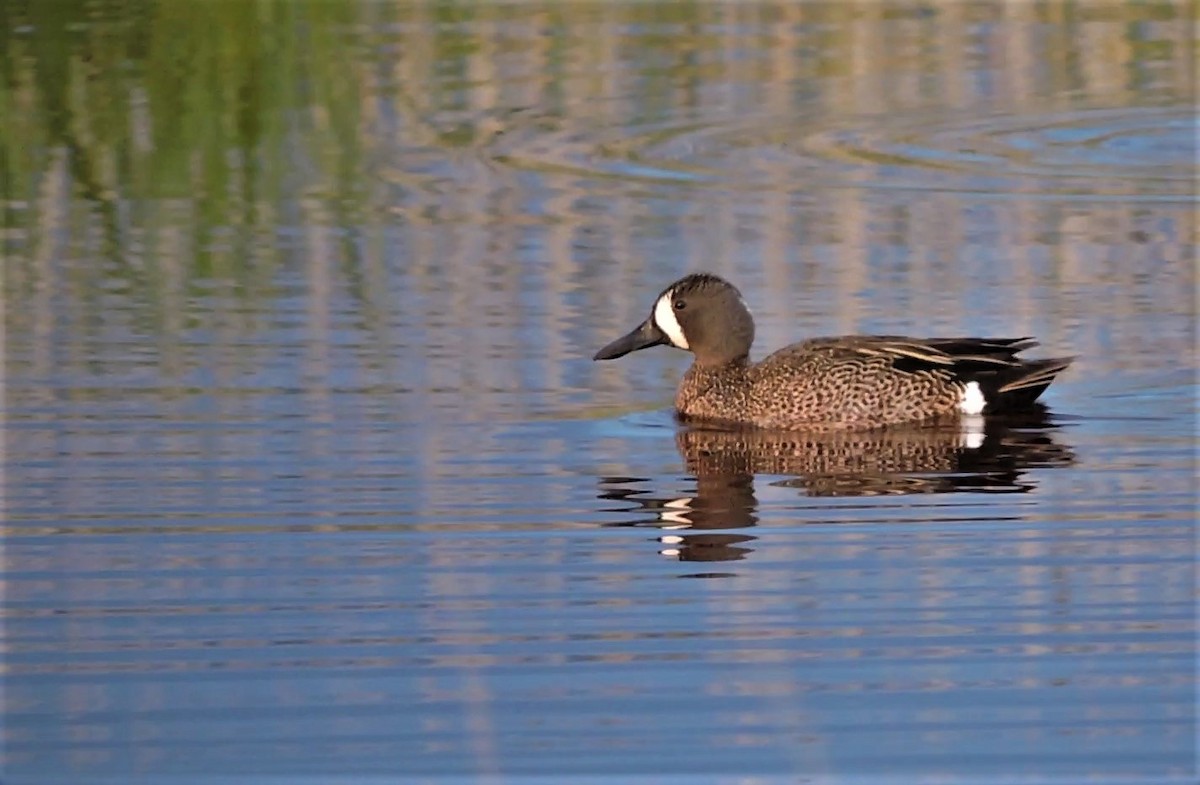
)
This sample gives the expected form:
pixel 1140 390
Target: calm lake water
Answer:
pixel 309 476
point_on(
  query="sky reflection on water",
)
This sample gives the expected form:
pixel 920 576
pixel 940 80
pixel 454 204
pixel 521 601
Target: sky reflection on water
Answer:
pixel 309 475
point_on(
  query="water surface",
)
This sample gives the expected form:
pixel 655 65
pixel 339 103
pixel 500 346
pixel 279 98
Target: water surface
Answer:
pixel 308 476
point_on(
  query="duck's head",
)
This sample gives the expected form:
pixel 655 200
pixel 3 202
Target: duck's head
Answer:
pixel 702 313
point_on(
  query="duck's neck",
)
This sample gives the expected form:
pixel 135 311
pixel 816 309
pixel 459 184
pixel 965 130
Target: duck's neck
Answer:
pixel 720 362
pixel 704 382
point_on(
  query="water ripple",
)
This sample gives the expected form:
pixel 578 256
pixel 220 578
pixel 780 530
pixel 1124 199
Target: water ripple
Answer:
pixel 1136 152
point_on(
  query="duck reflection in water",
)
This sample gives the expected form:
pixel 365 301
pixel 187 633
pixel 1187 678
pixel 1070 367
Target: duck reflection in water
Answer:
pixel 981 456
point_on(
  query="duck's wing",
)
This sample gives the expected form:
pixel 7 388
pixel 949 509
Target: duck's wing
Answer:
pixel 917 353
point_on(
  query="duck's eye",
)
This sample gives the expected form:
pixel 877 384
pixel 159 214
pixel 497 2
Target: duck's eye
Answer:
pixel 680 305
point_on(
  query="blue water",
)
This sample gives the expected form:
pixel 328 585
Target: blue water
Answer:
pixel 309 476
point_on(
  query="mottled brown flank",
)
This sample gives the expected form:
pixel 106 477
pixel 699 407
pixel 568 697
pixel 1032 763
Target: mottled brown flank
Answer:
pixel 818 384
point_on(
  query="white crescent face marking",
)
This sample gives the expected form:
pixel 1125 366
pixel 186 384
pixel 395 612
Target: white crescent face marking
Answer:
pixel 664 317
pixel 972 399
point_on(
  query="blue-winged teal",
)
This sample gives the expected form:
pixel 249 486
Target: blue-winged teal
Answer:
pixel 856 381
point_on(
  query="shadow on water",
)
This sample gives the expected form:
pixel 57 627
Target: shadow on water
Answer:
pixel 948 458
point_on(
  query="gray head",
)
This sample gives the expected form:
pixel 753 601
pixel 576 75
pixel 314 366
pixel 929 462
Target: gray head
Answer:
pixel 701 313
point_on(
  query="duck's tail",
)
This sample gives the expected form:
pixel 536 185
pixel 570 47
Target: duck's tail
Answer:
pixel 1018 386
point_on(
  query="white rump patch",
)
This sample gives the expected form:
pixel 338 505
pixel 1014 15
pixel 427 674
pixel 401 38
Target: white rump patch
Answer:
pixel 972 399
pixel 664 317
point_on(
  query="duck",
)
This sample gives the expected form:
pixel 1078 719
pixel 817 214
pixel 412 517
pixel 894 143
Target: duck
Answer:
pixel 831 383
